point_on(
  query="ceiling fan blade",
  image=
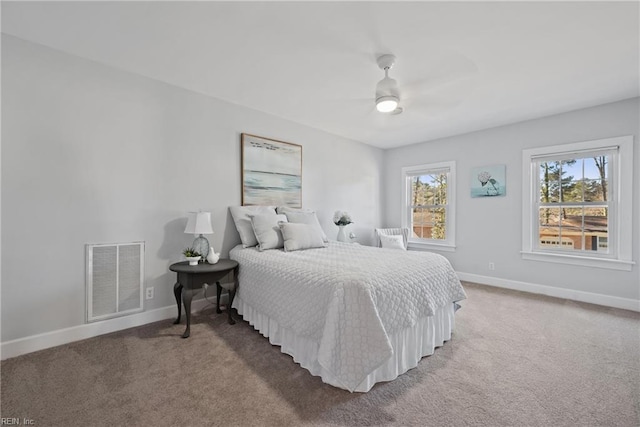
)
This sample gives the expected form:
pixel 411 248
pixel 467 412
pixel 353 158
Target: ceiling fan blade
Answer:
pixel 450 68
pixel 443 98
pixel 356 107
pixel 434 106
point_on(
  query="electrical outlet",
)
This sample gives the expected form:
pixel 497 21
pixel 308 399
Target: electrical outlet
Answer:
pixel 150 292
pixel 492 266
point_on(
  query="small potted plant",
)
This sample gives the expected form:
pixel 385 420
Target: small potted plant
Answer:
pixel 192 256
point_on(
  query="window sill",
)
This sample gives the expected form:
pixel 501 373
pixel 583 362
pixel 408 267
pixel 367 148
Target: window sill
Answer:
pixel 423 246
pixel 611 264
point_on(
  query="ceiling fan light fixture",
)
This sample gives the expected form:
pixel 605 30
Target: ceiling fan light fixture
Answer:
pixel 387 104
pixel 387 94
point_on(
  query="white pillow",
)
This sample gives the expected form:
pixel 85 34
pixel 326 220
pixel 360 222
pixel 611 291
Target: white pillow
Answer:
pixel 303 217
pixel 299 236
pixel 241 218
pixel 286 209
pixel 392 242
pixel 267 231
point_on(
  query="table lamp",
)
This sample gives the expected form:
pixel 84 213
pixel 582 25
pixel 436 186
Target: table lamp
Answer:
pixel 199 223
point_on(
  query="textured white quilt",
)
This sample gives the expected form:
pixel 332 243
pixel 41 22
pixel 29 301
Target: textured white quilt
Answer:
pixel 347 297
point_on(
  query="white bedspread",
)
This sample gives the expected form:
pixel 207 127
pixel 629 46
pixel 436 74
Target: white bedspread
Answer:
pixel 348 297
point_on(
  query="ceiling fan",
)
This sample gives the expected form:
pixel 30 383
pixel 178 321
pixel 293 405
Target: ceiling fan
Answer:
pixel 447 84
pixel 387 93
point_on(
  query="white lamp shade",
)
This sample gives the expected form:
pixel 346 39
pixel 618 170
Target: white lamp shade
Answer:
pixel 199 223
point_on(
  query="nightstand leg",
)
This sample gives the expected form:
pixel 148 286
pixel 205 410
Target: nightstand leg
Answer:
pixel 218 293
pixel 187 295
pixel 232 295
pixel 177 292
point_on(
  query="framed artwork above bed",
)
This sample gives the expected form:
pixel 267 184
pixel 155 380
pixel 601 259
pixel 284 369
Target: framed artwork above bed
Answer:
pixel 271 172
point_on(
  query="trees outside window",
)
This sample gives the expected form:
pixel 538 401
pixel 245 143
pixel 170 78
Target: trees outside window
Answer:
pixel 427 205
pixel 577 203
pixel 573 213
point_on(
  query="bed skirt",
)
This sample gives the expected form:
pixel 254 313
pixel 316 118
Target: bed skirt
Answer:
pixel 409 345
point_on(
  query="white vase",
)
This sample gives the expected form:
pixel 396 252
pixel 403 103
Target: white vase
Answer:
pixel 342 234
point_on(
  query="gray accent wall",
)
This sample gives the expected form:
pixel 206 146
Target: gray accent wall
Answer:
pixel 92 154
pixel 490 229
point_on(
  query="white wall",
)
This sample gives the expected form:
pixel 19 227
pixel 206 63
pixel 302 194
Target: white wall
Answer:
pixel 91 154
pixel 490 229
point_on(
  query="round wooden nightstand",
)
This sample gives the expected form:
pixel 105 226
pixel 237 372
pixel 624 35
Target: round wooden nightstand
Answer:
pixel 191 278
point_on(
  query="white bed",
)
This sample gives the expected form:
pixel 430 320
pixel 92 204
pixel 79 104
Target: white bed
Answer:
pixel 353 315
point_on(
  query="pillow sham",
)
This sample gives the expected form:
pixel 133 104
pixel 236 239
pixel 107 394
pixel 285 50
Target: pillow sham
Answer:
pixel 303 216
pixel 286 209
pixel 242 221
pixel 267 230
pixel 298 236
pixel 392 242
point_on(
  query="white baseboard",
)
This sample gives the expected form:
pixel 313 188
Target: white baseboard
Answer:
pixel 76 333
pixel 64 336
pixel 599 299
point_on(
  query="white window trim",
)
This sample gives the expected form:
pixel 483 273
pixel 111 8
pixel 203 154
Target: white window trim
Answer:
pixel 449 244
pixel 622 205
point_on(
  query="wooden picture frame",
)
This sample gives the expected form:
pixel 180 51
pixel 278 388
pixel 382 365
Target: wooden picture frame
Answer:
pixel 271 172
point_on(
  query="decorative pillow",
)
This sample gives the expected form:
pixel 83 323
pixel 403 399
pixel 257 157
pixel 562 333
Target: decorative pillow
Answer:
pixel 267 231
pixel 241 218
pixel 392 242
pixel 286 209
pixel 309 218
pixel 299 236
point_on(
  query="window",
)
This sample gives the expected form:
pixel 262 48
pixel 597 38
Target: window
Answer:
pixel 577 202
pixel 574 205
pixel 429 205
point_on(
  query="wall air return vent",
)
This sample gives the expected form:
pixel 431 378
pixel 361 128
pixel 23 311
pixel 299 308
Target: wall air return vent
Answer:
pixel 115 276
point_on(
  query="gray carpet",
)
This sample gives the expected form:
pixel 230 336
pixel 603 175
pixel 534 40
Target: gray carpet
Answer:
pixel 515 359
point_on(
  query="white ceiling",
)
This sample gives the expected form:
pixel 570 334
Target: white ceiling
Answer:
pixel 461 66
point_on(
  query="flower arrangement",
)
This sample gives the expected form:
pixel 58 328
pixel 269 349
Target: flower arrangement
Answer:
pixel 342 218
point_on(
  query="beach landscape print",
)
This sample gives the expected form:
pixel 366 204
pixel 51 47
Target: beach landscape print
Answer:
pixel 488 181
pixel 271 172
